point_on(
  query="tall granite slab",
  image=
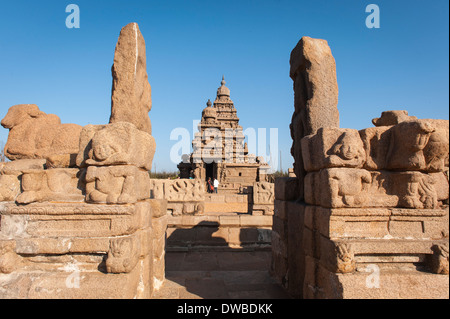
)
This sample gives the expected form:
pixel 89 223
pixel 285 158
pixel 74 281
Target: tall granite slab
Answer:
pixel 131 91
pixel 313 70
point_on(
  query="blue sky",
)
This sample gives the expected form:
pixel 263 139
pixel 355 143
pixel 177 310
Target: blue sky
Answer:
pixel 192 43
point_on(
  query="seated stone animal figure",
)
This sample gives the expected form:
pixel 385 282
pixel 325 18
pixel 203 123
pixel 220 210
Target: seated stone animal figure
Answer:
pixel 35 134
pixel 119 143
pixel 119 184
pixel 389 118
pixel 423 144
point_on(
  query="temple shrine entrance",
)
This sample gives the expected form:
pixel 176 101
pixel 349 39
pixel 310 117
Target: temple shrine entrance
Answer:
pixel 210 170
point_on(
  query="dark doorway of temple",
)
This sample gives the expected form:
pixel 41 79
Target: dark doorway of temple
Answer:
pixel 209 171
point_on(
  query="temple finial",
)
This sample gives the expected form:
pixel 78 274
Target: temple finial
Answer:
pixel 223 80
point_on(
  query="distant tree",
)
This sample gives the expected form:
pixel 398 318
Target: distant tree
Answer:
pixel 164 175
pixel 271 177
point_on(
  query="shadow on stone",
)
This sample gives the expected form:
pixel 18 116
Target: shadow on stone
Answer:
pixel 209 268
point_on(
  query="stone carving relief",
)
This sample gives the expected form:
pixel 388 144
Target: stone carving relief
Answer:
pixel 116 184
pixel 411 145
pixel 184 190
pixel 439 259
pixel 9 260
pixel 349 187
pixel 178 190
pixel 332 147
pixel 408 140
pixel 123 255
pixel 263 193
pixel 58 184
pixel 345 258
pixel 415 190
pixel 120 143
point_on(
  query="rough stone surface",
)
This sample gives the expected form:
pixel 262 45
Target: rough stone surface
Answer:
pixel 88 231
pixel 286 188
pixel 313 70
pixel 374 216
pixel 77 250
pixel 59 184
pixel 35 134
pixel 333 147
pixel 389 118
pixel 417 144
pixel 351 187
pixel 120 184
pixel 131 91
pixel 11 175
pixel 116 144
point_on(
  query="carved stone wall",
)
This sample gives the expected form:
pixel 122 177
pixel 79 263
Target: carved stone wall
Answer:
pixel 367 214
pixel 374 201
pixel 184 196
pixel 263 198
pixel 78 222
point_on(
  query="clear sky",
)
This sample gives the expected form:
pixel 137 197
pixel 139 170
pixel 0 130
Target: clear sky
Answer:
pixel 191 43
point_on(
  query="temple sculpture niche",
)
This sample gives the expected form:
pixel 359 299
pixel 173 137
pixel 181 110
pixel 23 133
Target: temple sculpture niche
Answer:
pixel 219 150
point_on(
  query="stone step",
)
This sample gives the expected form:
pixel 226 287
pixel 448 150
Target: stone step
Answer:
pixel 226 198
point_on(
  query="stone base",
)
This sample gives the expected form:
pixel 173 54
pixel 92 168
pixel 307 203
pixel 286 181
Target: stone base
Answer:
pixel 79 250
pixel 219 231
pixel 391 284
pixel 67 283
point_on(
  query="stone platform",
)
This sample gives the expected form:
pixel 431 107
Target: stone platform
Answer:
pixel 226 203
pixel 221 231
pixel 219 275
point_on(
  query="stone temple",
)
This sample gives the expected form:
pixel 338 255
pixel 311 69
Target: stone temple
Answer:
pixel 363 214
pixel 219 150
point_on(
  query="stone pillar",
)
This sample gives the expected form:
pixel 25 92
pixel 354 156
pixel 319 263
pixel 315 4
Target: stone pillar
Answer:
pixel 313 71
pixel 131 92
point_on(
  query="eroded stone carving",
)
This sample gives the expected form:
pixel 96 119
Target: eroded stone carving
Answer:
pixel 9 260
pixel 345 258
pixel 60 223
pixel 415 190
pixel 123 254
pixel 59 184
pixel 116 144
pixel 9 185
pixel 350 187
pixel 263 193
pixel 389 118
pixel 408 140
pixel 439 259
pixel 410 145
pixel 184 190
pixel 121 184
pixel 35 134
pixel 332 147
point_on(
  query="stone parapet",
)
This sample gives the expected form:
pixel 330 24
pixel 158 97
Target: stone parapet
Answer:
pixel 78 249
